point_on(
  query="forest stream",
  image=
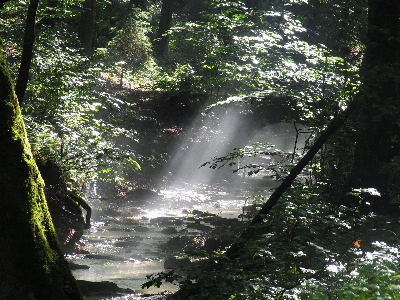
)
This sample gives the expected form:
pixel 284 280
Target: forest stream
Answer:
pixel 200 209
pixel 132 240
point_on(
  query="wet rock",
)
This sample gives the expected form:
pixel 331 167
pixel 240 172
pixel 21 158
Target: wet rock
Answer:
pixel 114 229
pixel 202 213
pixel 141 229
pixel 140 195
pixel 124 244
pixel 126 221
pixel 179 243
pixel 128 242
pixel 99 256
pixel 218 221
pixel 74 266
pixel 214 244
pixel 169 230
pixel 102 288
pixel 176 262
pixel 82 251
pixel 166 221
pixel 199 226
pixel 197 212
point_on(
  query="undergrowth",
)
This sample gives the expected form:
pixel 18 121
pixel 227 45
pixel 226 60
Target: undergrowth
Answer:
pixel 306 248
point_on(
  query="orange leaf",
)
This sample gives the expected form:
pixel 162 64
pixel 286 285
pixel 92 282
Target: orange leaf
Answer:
pixel 357 244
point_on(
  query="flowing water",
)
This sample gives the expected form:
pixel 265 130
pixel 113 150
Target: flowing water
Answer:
pixel 127 239
pixel 125 242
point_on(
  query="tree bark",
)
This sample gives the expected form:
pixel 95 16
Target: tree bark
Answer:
pixel 2 3
pixel 27 51
pixel 32 265
pixel 254 4
pixel 161 44
pixel 88 25
pixel 139 3
pixel 380 113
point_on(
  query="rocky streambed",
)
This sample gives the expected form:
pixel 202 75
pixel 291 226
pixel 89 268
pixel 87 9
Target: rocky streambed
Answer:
pixel 133 238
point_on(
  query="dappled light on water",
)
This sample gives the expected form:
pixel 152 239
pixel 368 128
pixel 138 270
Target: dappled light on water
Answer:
pixel 123 247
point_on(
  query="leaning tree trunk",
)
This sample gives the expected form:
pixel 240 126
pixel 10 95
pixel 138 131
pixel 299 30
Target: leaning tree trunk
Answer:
pixel 378 142
pixel 379 99
pixel 32 265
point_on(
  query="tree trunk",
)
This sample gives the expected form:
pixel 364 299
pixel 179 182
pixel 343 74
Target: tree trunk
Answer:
pixel 380 114
pixel 88 25
pixel 162 41
pixel 139 3
pixel 32 265
pixel 332 128
pixel 2 2
pixel 27 51
pixel 254 4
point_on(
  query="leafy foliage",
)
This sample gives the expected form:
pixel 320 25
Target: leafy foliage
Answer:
pixel 302 55
pixel 306 249
pixel 130 49
pixel 157 279
pixel 61 110
pixel 311 246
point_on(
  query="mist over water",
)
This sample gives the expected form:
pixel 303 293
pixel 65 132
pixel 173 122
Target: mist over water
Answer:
pixel 202 144
pixel 124 241
pixel 216 136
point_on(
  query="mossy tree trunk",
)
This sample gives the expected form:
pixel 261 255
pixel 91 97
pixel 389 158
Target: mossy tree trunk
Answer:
pixel 32 265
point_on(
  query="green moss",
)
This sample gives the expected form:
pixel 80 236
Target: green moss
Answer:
pixel 31 262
